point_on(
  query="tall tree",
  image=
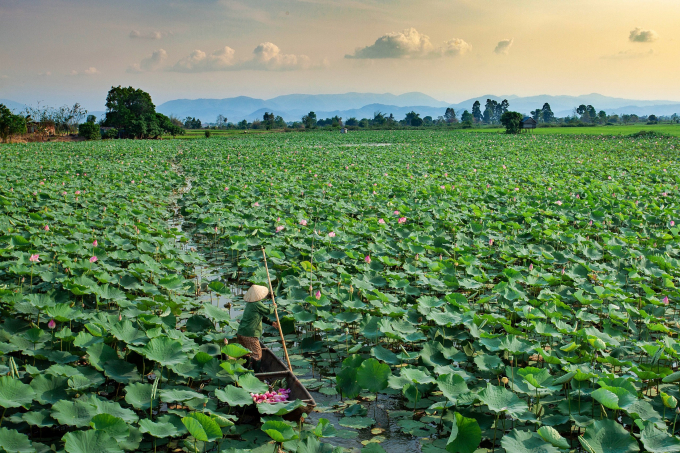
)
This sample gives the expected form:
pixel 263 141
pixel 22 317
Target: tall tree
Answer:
pixel 268 120
pixel 309 120
pixel 511 121
pixel 413 119
pixel 131 110
pixel 477 111
pixel 450 116
pixel 10 124
pixel 547 113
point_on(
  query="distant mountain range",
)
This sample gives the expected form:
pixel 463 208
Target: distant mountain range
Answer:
pixel 363 105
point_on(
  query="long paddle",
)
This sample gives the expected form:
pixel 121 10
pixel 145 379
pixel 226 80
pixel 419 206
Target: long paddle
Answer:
pixel 278 323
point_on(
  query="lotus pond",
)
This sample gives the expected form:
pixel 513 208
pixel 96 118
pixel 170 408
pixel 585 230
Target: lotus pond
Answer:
pixel 438 292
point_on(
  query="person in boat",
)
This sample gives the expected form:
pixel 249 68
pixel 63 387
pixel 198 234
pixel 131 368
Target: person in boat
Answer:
pixel 250 327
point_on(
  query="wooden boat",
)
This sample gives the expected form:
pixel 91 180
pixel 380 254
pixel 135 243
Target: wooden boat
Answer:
pixel 272 369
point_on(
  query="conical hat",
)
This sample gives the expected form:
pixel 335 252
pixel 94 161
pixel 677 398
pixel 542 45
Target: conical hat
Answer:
pixel 255 293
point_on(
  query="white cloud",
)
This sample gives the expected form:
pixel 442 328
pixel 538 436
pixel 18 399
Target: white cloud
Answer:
pixel 640 35
pixel 503 47
pixel 151 63
pixel 89 71
pixel 266 57
pixel 199 61
pixel 410 43
pixel 136 34
pixel 630 55
pixel 456 47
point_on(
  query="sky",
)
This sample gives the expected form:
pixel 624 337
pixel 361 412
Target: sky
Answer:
pixel 65 51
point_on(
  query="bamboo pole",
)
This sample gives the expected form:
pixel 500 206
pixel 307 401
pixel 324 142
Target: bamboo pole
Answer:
pixel 276 311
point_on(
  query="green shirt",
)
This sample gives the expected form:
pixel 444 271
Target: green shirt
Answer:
pixel 251 322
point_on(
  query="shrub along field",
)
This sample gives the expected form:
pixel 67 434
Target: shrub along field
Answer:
pixel 439 292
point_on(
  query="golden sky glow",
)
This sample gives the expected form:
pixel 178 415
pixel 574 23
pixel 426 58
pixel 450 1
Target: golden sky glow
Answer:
pixel 61 51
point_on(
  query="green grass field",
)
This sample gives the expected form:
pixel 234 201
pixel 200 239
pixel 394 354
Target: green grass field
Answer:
pixel 668 129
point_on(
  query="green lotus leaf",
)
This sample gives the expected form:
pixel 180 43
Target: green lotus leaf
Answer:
pixel 526 442
pixel 500 399
pixel 75 413
pixel 49 389
pixel 372 375
pixel 202 427
pixel 607 436
pixel 99 354
pixel 234 396
pixel 13 441
pixel 324 428
pixel 356 422
pixel 39 418
pixel 113 426
pixel 139 396
pixel 279 408
pixel 251 384
pixel 158 429
pixel 551 435
pixel 93 441
pixel 235 350
pixel 179 394
pixel 121 371
pixel 164 350
pixel 657 441
pixel 279 431
pixel 466 435
pixel 452 386
pixel 385 355
pixel 14 393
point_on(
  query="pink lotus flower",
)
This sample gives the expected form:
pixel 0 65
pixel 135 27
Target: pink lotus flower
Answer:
pixel 317 294
pixel 396 212
pixel 381 221
pixel 46 228
pixel 516 189
pixel 446 175
pixel 374 192
pixel 590 223
pixel 367 259
pixel 531 266
pixel 77 192
pixel 442 187
pixel 256 204
pixel 95 243
pixel 34 258
pixel 51 324
pixel 504 167
pixel 562 271
pixel 665 300
pixel 672 223
pixel 402 219
pixel 665 194
pixel 303 222
pixel 558 203
pixel 226 188
pixel 331 234
pixel 490 242
pixel 63 193
pixel 93 259
pixel 609 177
pixel 279 228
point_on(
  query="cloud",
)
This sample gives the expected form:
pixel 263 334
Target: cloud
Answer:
pixel 503 47
pixel 151 63
pixel 45 74
pixel 266 57
pixel 629 55
pixel 135 34
pixel 89 71
pixel 199 61
pixel 409 43
pixel 640 35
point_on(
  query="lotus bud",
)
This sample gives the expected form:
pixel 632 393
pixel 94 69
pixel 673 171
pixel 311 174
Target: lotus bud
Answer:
pixel 226 341
pixel 505 380
pixel 51 324
pixel 351 289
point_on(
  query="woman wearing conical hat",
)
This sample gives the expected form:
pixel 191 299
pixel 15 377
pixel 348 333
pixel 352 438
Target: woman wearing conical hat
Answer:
pixel 250 327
